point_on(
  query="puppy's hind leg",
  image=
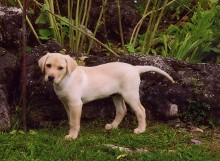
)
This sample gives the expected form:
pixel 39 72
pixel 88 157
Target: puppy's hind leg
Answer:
pixel 120 112
pixel 133 100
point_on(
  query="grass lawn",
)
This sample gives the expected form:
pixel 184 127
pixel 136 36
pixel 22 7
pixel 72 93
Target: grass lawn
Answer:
pixel 159 142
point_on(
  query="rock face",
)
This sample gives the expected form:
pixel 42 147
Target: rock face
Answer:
pixel 5 121
pixel 11 27
pixel 9 81
pixel 194 96
pixel 42 101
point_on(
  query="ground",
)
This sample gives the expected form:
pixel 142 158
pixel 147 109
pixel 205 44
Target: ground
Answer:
pixel 159 142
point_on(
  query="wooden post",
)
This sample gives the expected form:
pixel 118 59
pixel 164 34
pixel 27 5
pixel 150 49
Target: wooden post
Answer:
pixel 24 66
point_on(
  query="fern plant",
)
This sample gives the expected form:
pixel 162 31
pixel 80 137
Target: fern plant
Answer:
pixel 196 39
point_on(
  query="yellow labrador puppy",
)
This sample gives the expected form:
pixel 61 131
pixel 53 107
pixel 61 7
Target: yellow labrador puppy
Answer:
pixel 76 85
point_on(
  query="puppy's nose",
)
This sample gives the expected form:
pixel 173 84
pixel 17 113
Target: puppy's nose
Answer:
pixel 50 78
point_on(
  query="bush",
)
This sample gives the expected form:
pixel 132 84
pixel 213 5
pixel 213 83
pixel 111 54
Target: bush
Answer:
pixel 197 39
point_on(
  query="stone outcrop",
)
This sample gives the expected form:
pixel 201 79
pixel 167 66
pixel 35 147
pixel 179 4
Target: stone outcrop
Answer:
pixel 11 27
pixel 195 95
pixel 42 101
pixel 9 81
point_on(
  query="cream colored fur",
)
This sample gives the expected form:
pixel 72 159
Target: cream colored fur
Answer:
pixel 76 85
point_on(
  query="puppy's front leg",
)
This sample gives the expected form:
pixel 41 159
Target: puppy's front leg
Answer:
pixel 75 110
pixel 66 108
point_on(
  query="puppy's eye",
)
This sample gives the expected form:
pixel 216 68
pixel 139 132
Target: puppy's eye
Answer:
pixel 60 68
pixel 48 65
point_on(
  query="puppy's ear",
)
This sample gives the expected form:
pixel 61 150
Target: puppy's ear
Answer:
pixel 42 62
pixel 71 64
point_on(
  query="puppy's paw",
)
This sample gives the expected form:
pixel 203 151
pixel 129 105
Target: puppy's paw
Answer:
pixel 138 130
pixel 108 126
pixel 68 137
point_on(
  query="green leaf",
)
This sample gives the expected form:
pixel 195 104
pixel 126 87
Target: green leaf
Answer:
pixel 154 52
pixel 32 132
pixel 218 59
pixel 65 29
pixel 13 132
pixel 31 10
pixel 213 1
pixel 21 132
pixel 45 7
pixel 29 48
pixel 45 34
pixel 217 50
pixel 12 2
pixel 130 48
pixel 42 19
pixel 64 21
pixel 63 51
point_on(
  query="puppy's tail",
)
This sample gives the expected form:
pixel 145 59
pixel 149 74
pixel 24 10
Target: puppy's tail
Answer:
pixel 143 69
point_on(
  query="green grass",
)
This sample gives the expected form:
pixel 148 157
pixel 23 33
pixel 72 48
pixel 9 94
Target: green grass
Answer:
pixel 160 142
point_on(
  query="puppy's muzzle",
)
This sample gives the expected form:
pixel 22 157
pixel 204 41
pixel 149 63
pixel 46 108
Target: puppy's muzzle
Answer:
pixel 51 78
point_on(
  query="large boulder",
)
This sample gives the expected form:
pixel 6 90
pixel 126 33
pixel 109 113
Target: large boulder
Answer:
pixel 9 82
pixel 11 27
pixel 42 101
pixel 194 96
pixel 5 121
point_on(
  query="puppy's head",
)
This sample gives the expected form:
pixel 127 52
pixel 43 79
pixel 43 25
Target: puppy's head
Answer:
pixel 56 66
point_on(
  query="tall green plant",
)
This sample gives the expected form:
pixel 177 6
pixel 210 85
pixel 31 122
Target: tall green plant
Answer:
pixel 72 28
pixel 88 34
pixel 56 29
pixel 120 25
pixel 196 38
pixel 59 29
pixel 155 14
pixel 97 24
pixel 29 23
pixel 54 25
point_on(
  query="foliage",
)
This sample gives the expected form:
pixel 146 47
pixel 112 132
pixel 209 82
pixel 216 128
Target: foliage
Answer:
pixel 73 31
pixel 156 14
pixel 193 42
pixel 57 28
pixel 196 110
pixel 8 2
pixel 160 142
pixel 120 25
pixel 130 48
pixel 60 28
pixel 196 39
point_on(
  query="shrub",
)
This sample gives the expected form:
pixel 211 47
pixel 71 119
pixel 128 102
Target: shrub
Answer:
pixel 197 38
